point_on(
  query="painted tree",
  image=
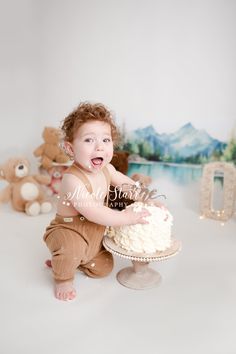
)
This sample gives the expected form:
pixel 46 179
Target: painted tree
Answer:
pixel 230 151
pixel 131 146
pixel 145 149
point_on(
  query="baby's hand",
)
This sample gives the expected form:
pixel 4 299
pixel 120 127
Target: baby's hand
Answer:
pixel 136 217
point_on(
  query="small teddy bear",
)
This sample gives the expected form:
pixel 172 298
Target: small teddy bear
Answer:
pixel 121 163
pixel 56 174
pixel 143 179
pixel 50 150
pixel 24 190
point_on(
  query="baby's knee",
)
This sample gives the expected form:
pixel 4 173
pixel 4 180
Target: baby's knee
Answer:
pixel 66 245
pixel 100 266
pixel 108 264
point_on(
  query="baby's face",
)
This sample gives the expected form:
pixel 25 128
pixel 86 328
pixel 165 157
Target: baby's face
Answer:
pixel 92 146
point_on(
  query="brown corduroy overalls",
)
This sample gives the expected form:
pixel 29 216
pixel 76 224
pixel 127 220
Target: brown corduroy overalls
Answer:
pixel 75 242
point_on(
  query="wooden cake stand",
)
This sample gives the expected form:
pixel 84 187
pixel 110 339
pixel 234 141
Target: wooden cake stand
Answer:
pixel 139 275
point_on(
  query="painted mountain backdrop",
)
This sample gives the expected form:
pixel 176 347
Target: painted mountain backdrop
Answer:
pixel 185 145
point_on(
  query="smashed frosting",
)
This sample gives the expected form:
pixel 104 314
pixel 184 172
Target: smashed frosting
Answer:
pixel 145 238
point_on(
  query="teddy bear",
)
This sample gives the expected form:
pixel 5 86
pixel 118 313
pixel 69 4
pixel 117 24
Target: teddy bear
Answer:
pixel 142 179
pixel 121 163
pixel 24 190
pixel 56 174
pixel 50 151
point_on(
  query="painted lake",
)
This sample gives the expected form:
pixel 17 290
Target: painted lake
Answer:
pixel 177 173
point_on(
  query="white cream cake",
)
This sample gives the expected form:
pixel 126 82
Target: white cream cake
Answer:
pixel 145 238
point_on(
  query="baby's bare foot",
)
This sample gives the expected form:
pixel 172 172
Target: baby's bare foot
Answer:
pixel 65 290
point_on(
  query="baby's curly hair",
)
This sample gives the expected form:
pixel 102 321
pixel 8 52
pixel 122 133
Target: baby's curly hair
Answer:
pixel 88 112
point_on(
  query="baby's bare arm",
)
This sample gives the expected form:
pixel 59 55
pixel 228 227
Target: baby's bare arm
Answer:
pixel 105 216
pixel 74 192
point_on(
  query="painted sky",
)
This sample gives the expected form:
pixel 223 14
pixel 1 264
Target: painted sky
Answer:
pixel 156 62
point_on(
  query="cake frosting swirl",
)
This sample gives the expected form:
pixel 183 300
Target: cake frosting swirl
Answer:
pixel 145 238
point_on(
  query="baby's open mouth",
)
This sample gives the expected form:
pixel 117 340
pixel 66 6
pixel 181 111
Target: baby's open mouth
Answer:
pixel 97 161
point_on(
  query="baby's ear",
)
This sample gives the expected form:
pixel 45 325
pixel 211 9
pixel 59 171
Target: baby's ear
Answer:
pixel 67 147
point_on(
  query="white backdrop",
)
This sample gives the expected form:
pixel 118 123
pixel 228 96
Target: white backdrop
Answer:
pixel 160 62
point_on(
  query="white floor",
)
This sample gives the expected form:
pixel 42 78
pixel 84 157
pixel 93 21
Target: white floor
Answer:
pixel 192 311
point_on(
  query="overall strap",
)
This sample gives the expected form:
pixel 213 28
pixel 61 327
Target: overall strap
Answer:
pixel 74 170
pixel 108 180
